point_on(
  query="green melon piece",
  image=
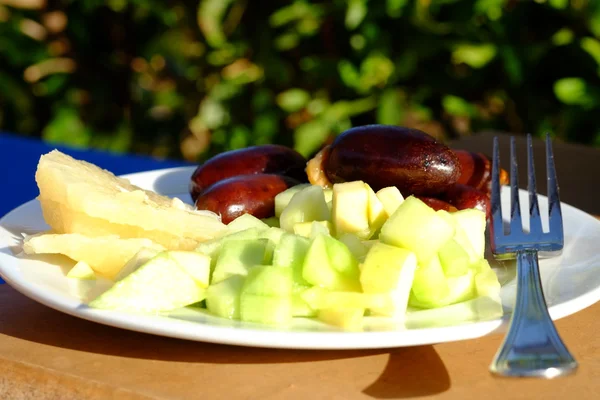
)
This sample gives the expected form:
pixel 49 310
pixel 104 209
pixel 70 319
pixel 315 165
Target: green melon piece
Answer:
pixel 140 258
pixel 266 296
pixel 213 247
pixel 473 223
pixel 158 285
pixel 223 298
pixel 194 263
pixel 273 234
pixel 350 209
pixel 246 221
pixel 331 265
pixel 357 247
pixel 319 298
pixel 460 288
pixel 290 253
pixel 417 227
pixel 348 319
pixel 307 205
pixel 300 308
pixel 311 229
pixel 454 258
pixel 486 280
pixel 430 286
pixel 81 270
pixel 390 270
pixel 270 310
pixel 238 256
pixel 272 222
pixel 282 199
pixel 391 198
pixel 267 280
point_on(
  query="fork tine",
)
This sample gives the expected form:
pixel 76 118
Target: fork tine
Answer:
pixel 555 223
pixel 515 207
pixel 535 222
pixel 496 205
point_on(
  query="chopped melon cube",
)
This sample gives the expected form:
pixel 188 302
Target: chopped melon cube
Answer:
pixel 158 285
pixel 391 198
pixel 223 298
pixel 245 221
pixel 307 205
pixel 267 295
pixel 350 209
pixel 417 227
pixel 282 199
pixel 330 264
pixel 238 256
pixel 454 258
pixel 81 270
pixel 194 263
pixel 391 270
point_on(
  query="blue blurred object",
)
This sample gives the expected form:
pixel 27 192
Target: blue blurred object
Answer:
pixel 19 157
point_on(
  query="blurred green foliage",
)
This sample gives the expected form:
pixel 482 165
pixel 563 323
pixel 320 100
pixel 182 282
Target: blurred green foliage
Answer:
pixel 192 78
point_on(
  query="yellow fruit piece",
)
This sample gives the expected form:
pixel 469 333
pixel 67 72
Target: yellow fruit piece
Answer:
pixel 105 254
pixel 81 270
pixel 391 198
pixel 350 209
pixel 79 197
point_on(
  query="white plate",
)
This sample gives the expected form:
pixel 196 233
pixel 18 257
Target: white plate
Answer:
pixel 571 282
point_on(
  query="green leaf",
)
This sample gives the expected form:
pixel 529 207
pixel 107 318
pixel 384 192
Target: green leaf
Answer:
pixel 210 20
pixel 287 41
pixel 344 109
pixel 266 126
pixel 394 8
pixel 295 11
pixel 474 55
pixel 572 91
pixel 407 64
pixel 348 73
pixel 592 47
pixel 293 100
pixel 239 137
pixel 512 65
pixel 457 106
pixel 309 137
pixel 491 8
pixel 213 114
pixel 559 4
pixel 375 70
pixel 355 13
pixel 594 22
pixel 67 128
pixel 563 37
pixel 390 110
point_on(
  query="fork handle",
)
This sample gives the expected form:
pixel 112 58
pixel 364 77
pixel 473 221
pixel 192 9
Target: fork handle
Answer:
pixel 532 346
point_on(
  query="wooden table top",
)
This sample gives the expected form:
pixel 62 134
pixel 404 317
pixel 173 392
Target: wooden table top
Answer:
pixel 45 354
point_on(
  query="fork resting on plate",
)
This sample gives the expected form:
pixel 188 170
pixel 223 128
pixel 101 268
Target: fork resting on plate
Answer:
pixel 532 346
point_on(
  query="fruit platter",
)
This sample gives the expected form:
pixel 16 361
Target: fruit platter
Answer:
pixel 377 240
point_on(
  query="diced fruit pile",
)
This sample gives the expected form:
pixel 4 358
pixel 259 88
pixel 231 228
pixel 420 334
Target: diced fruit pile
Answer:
pixel 333 254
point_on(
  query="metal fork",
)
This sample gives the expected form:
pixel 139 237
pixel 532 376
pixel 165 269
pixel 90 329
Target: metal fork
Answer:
pixel 532 346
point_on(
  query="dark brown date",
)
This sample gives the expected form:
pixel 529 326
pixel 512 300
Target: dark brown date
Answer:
pixel 476 170
pixel 382 156
pixel 437 204
pixel 463 196
pixel 263 159
pixel 244 194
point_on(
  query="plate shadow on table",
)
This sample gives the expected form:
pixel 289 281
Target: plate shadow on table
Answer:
pixel 410 371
